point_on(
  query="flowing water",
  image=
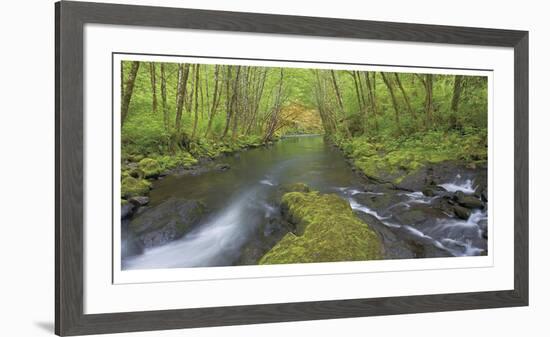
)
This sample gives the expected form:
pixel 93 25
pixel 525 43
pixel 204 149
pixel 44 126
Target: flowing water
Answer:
pixel 244 218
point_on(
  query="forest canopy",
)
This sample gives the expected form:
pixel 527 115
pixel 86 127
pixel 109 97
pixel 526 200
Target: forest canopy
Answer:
pixel 192 111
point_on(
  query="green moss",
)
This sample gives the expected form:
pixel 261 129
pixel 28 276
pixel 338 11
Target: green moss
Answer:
pixel 295 187
pixel 150 167
pixel 180 159
pixel 132 187
pixel 326 231
pixel 135 157
pixel 187 159
pixel 205 148
pixel 392 158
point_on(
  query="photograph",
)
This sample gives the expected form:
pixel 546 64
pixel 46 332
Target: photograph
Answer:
pixel 228 164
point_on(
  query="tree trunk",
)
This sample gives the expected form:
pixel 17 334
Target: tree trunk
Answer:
pixel 337 91
pixel 372 99
pixel 215 100
pixel 326 118
pixel 374 84
pixel 235 105
pixel 188 100
pixel 153 76
pixel 428 103
pixel 183 74
pixel 360 102
pixel 389 85
pixel 405 96
pixel 227 101
pixel 457 90
pixel 163 97
pixel 258 93
pixel 274 118
pixel 340 103
pixel 196 121
pixel 128 89
pixel 362 91
pixel 205 92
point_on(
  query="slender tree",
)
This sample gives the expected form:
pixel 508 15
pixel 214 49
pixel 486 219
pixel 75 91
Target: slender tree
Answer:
pixel 337 91
pixel 153 77
pixel 163 97
pixel 340 103
pixel 276 109
pixel 362 92
pixel 128 90
pixel 389 85
pixel 327 118
pixel 428 102
pixel 372 98
pixel 457 90
pixel 360 102
pixel 215 100
pixel 235 104
pixel 258 94
pixel 228 99
pixel 196 121
pixel 183 74
pixel 405 96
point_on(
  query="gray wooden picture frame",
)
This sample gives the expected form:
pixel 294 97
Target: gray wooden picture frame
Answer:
pixel 69 26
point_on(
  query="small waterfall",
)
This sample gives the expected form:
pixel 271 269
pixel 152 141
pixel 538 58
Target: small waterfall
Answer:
pixel 465 186
pixel 362 208
pixel 419 198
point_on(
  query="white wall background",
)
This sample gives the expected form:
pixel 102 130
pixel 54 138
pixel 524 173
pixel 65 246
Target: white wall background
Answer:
pixel 27 166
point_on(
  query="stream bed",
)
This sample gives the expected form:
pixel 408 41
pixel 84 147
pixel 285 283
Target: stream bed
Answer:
pixel 242 219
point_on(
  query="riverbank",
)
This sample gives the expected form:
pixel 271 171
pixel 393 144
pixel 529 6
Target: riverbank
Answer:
pixel 396 159
pixel 141 168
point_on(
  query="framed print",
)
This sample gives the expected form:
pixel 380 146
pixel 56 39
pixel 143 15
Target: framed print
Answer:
pixel 221 168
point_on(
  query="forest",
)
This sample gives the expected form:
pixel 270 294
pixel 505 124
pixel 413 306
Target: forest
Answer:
pixel 208 109
pixel 388 126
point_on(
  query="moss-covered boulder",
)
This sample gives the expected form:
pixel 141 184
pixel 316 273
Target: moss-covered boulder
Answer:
pixel 181 159
pixel 188 160
pixel 135 157
pixel 131 187
pixel 150 168
pixel 327 230
pixel 295 187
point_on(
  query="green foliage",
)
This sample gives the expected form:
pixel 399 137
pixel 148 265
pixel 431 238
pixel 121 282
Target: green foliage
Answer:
pixel 327 231
pixel 132 187
pixel 386 142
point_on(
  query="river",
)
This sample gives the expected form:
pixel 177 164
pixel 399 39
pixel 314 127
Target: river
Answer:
pixel 244 220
